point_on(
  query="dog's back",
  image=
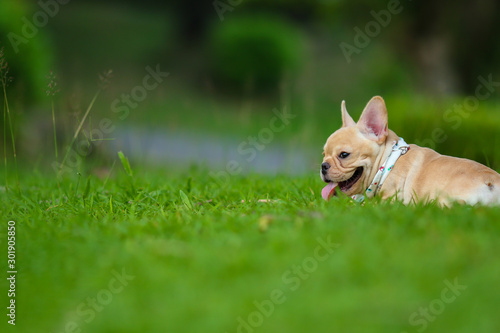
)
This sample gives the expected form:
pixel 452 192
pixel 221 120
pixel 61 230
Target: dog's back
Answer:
pixel 432 176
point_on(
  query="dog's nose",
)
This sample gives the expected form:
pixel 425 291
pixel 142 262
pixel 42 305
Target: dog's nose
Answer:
pixel 324 168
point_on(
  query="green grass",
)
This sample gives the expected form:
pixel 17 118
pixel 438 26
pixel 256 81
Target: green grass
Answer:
pixel 201 254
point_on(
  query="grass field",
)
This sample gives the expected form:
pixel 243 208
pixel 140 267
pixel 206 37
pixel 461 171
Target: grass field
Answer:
pixel 175 252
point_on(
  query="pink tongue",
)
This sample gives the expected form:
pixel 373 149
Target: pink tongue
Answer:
pixel 328 191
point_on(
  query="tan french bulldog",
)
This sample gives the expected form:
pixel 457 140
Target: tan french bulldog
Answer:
pixel 367 159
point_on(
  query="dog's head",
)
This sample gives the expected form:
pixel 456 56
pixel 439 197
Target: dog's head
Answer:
pixel 350 153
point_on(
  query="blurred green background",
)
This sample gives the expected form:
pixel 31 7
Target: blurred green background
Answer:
pixel 231 64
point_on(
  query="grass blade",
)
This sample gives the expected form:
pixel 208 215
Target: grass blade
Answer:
pixel 125 163
pixel 79 129
pixel 54 125
pixel 185 200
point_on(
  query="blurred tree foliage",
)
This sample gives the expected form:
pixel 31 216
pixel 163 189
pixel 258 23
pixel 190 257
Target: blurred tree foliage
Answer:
pixel 254 52
pixel 449 43
pixel 29 55
pixel 466 32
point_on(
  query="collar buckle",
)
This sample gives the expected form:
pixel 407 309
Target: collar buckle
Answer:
pixel 404 149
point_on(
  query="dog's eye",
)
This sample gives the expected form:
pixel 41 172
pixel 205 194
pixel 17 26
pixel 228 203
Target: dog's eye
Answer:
pixel 344 154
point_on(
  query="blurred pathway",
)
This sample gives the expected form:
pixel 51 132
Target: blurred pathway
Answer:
pixel 183 148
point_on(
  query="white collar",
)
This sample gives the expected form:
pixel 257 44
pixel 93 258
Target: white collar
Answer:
pixel 399 148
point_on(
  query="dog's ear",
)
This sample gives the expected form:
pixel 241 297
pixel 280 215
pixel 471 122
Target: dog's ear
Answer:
pixel 346 118
pixel 373 120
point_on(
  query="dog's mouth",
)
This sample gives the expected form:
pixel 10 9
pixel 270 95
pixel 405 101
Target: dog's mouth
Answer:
pixel 347 184
pixel 329 190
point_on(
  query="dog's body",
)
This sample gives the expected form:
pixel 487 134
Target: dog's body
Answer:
pixel 355 153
